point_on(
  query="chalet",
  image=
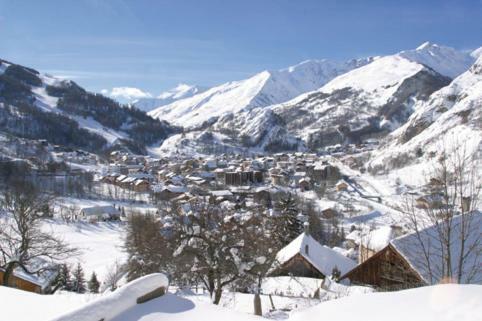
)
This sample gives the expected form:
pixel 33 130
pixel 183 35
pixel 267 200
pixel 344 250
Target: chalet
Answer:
pixel 220 196
pixel 304 184
pixel 99 213
pixel 38 282
pixel 431 201
pixel 141 186
pixel 305 257
pixel 169 192
pixel 415 259
pixel 341 186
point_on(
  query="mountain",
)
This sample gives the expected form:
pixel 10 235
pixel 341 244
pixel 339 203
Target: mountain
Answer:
pixel 181 91
pixel 372 98
pixel 444 60
pixel 367 101
pixel 38 106
pixel 450 118
pixel 263 89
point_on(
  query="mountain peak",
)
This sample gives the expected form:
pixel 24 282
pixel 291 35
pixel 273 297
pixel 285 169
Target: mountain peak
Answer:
pixel 426 45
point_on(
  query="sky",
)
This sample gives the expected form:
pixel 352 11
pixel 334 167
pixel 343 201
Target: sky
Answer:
pixel 155 45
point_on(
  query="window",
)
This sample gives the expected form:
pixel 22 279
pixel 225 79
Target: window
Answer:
pixel 307 249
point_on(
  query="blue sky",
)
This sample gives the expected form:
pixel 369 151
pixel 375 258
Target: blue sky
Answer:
pixel 154 45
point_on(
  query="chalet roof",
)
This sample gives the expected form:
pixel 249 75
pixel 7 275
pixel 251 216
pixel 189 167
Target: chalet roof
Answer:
pixel 100 210
pixel 222 193
pixel 42 279
pixel 410 248
pixel 378 238
pixel 323 258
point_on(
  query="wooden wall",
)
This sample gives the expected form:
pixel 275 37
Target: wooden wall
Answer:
pixel 298 266
pixel 21 284
pixel 386 270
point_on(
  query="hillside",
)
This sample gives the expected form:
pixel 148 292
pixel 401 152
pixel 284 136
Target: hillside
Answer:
pixel 38 106
pixel 437 124
pixel 181 91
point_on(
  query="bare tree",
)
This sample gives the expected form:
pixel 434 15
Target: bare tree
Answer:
pixel 22 242
pixel 115 272
pixel 447 250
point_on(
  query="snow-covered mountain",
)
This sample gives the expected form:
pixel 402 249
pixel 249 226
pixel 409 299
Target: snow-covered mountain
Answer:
pixel 450 118
pixel 444 60
pixel 263 89
pixel 367 101
pixel 181 91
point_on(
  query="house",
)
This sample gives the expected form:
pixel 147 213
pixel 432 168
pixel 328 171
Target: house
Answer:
pixel 304 184
pixel 416 259
pixel 431 201
pixel 38 282
pixel 169 192
pixel 99 213
pixel 341 186
pixel 141 186
pixel 305 257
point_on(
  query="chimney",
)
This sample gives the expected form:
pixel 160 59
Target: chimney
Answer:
pixel 306 228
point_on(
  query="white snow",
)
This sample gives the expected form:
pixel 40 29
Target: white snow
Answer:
pixel 114 304
pixel 444 60
pixel 378 80
pixel 100 244
pixel 263 89
pixel 435 303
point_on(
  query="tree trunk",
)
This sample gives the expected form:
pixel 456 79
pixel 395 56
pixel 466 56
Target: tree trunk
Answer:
pixel 217 295
pixel 8 273
pixel 257 305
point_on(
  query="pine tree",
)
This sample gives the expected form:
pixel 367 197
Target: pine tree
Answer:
pixel 63 280
pixel 289 226
pixel 93 283
pixel 79 280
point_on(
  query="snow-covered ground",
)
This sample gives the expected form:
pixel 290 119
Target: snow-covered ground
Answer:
pixel 449 302
pixel 100 244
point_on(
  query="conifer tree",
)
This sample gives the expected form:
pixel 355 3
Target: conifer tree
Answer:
pixel 63 280
pixel 78 284
pixel 93 283
pixel 289 226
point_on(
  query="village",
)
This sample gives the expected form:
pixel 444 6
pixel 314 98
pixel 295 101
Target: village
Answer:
pixel 357 242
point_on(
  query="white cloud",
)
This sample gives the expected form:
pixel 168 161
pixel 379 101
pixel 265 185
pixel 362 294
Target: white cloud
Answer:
pixel 126 93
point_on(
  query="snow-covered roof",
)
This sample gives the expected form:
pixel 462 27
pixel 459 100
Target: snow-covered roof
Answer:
pixel 99 210
pixel 379 238
pixel 410 248
pixel 42 279
pixel 323 258
pixel 223 193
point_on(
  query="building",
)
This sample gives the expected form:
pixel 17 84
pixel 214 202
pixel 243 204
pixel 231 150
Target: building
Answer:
pixel 305 257
pixel 38 283
pixel 99 213
pixel 416 259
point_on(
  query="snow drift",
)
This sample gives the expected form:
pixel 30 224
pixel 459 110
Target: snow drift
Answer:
pixel 115 303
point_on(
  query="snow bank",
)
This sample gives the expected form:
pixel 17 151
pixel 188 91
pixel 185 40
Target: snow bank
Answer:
pixel 434 303
pixel 40 307
pixel 117 302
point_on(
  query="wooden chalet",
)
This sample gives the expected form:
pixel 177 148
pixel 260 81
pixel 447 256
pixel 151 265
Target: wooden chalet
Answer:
pixel 305 257
pixel 37 283
pixel 415 259
pixel 385 270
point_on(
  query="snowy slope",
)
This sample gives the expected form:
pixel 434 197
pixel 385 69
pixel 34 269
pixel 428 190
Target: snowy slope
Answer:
pixel 449 302
pixel 181 91
pixel 372 99
pixel 450 118
pixel 263 89
pixel 445 60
